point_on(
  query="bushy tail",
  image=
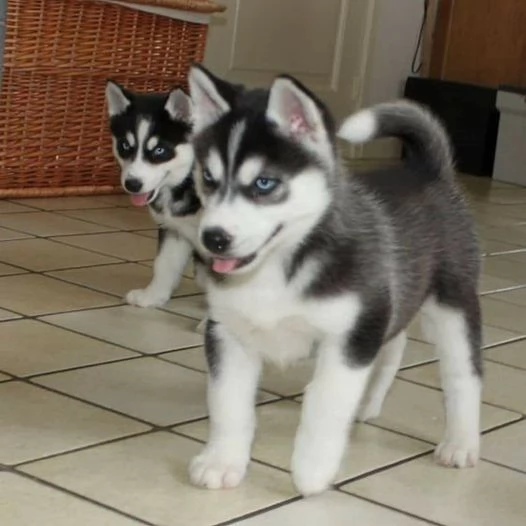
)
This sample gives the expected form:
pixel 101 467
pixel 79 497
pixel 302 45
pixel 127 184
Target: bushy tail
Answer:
pixel 422 134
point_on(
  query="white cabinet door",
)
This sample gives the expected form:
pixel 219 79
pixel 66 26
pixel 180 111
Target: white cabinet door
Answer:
pixel 321 42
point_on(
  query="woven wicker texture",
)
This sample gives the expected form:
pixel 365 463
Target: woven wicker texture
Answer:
pixel 198 6
pixel 58 55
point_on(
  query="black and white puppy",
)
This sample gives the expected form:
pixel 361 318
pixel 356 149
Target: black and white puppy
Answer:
pixel 151 143
pixel 307 258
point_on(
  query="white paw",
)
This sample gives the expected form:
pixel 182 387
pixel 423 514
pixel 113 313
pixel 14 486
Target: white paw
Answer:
pixel 312 475
pixel 458 454
pixel 214 471
pixel 369 411
pixel 146 298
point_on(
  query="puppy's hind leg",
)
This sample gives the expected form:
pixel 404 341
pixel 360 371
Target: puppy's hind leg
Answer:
pixel 386 367
pixel 458 339
pixel 172 257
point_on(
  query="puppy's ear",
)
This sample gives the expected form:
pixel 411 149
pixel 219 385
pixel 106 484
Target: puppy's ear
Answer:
pixel 117 98
pixel 179 106
pixel 300 115
pixel 211 96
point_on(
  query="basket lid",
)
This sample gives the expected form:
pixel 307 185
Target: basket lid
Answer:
pixel 197 6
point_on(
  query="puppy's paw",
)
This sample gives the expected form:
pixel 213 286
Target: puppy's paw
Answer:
pixel 369 411
pixel 212 470
pixel 458 453
pixel 313 474
pixel 146 298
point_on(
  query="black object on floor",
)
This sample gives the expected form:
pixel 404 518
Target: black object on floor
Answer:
pixel 470 116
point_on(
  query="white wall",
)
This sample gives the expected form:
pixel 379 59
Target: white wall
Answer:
pixel 392 45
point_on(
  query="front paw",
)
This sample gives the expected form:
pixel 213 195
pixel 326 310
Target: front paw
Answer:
pixel 313 473
pixel 458 454
pixel 146 298
pixel 213 469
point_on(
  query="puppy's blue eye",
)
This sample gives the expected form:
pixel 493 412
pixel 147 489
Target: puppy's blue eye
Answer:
pixel 264 185
pixel 124 145
pixel 159 151
pixel 207 176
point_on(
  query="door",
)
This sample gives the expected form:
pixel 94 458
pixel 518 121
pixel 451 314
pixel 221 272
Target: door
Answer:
pixel 323 44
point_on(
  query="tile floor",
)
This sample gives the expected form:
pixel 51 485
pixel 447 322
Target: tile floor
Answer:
pixel 102 404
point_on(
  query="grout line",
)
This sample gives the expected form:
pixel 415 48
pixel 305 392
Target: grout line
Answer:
pixel 392 508
pixel 80 496
pixel 434 388
pixel 81 448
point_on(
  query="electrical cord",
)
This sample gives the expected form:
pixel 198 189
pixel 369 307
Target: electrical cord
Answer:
pixel 414 68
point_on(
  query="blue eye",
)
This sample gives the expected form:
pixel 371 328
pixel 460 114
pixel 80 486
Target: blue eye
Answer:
pixel 124 145
pixel 207 176
pixel 264 185
pixel 159 151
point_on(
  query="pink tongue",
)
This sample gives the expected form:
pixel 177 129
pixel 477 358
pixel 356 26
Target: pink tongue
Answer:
pixel 139 199
pixel 223 266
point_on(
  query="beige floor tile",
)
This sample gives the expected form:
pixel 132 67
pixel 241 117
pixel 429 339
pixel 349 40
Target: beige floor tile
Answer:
pixel 506 446
pixel 8 315
pixel 418 411
pixel 4 377
pixel 488 284
pixel 37 423
pixel 43 254
pixel 333 509
pixel 120 278
pixel 37 295
pixel 120 218
pixel 370 447
pixel 8 270
pixel 29 347
pixel 503 314
pixel 146 388
pixel 123 245
pixel 154 233
pixel 490 335
pixel 418 352
pixel 146 330
pixel 503 386
pixel 7 235
pixel 193 306
pixel 513 354
pixel 493 246
pixel 147 477
pixel 8 207
pixel 26 502
pixel 48 224
pixel 483 496
pixel 515 296
pixel 116 200
pixel 513 235
pixel 507 269
pixel 65 203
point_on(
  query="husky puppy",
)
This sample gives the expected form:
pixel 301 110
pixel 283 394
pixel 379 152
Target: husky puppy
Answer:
pixel 306 259
pixel 151 143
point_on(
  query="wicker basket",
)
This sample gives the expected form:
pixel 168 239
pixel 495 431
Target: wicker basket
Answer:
pixel 58 55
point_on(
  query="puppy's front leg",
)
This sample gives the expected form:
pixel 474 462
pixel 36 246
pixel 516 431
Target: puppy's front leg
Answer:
pixel 329 407
pixel 232 384
pixel 173 255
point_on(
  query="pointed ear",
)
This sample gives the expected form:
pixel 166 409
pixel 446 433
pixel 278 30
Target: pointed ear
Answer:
pixel 179 106
pixel 117 98
pixel 298 113
pixel 211 97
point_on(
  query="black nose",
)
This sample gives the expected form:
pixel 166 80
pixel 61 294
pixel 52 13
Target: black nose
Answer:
pixel 133 185
pixel 216 240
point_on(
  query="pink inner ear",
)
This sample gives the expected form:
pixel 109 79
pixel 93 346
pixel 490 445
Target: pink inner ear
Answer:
pixel 298 125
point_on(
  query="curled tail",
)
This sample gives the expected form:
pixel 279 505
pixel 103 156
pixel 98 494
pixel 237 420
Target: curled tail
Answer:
pixel 422 134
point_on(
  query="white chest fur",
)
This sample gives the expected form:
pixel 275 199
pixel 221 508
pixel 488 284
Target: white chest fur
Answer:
pixel 271 317
pixel 186 226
